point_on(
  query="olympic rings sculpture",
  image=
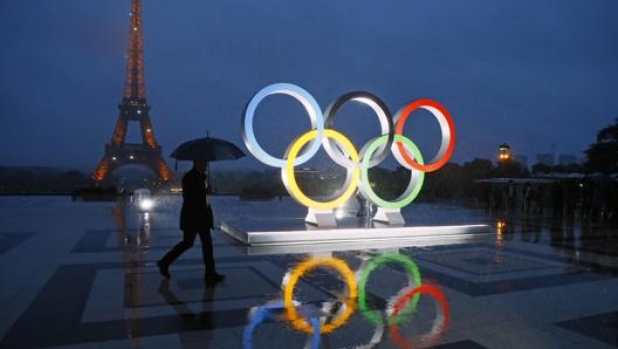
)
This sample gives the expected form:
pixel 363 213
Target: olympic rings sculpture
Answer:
pixel 341 150
pixel 316 320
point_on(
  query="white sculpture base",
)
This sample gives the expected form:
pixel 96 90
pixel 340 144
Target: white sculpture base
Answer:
pixel 389 216
pixel 321 218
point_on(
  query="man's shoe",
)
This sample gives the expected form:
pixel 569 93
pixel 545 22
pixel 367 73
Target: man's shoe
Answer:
pixel 164 269
pixel 213 280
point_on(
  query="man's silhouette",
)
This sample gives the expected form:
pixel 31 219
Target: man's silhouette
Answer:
pixel 195 218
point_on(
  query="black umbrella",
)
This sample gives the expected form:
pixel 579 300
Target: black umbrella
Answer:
pixel 207 149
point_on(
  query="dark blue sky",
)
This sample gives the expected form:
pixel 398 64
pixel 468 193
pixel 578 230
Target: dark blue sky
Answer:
pixel 531 73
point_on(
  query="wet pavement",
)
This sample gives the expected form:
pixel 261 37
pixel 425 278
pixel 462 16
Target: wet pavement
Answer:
pixel 83 275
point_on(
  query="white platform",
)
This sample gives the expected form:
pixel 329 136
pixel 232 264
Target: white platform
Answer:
pixel 367 245
pixel 357 235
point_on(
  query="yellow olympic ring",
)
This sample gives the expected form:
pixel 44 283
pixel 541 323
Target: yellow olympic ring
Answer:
pixel 339 265
pixel 290 179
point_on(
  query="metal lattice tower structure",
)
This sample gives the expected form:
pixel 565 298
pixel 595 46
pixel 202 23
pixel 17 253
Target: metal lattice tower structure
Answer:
pixel 133 108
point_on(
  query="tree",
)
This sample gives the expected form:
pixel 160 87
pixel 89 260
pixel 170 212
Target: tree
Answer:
pixel 473 171
pixel 602 156
pixel 510 169
pixel 478 168
pixel 542 168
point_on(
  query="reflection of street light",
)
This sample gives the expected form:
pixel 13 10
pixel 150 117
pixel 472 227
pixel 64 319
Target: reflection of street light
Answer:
pixel 504 152
pixel 500 226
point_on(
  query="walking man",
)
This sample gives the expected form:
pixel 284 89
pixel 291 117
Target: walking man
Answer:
pixel 196 218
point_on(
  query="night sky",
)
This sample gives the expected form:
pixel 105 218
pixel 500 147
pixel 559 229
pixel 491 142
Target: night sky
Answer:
pixel 536 74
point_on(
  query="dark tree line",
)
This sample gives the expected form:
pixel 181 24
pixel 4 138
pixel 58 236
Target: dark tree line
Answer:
pixel 26 180
pixel 602 156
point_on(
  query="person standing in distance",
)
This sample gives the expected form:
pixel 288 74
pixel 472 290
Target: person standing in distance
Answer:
pixel 196 218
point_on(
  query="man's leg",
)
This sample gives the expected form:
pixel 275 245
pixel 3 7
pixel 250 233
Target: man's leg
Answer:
pixel 175 252
pixel 211 275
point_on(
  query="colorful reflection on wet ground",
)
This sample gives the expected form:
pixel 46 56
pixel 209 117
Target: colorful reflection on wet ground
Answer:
pixel 83 275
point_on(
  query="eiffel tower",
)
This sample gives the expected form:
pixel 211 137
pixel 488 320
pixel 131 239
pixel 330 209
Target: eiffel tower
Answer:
pixel 133 108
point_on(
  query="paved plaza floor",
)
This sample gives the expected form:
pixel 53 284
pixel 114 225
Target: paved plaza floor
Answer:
pixel 83 275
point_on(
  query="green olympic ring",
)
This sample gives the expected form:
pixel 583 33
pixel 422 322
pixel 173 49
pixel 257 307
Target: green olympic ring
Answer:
pixel 414 186
pixel 363 277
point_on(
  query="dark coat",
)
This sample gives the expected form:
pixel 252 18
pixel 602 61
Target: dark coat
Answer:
pixel 195 214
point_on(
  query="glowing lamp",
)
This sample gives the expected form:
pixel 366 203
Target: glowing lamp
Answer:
pixel 146 204
pixel 504 152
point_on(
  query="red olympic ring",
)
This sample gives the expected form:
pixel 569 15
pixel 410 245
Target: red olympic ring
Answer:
pixel 437 330
pixel 446 125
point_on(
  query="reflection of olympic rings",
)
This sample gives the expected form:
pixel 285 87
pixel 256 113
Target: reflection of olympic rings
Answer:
pixel 440 324
pixel 289 283
pixel 414 278
pixel 324 319
pixel 372 154
pixel 267 313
